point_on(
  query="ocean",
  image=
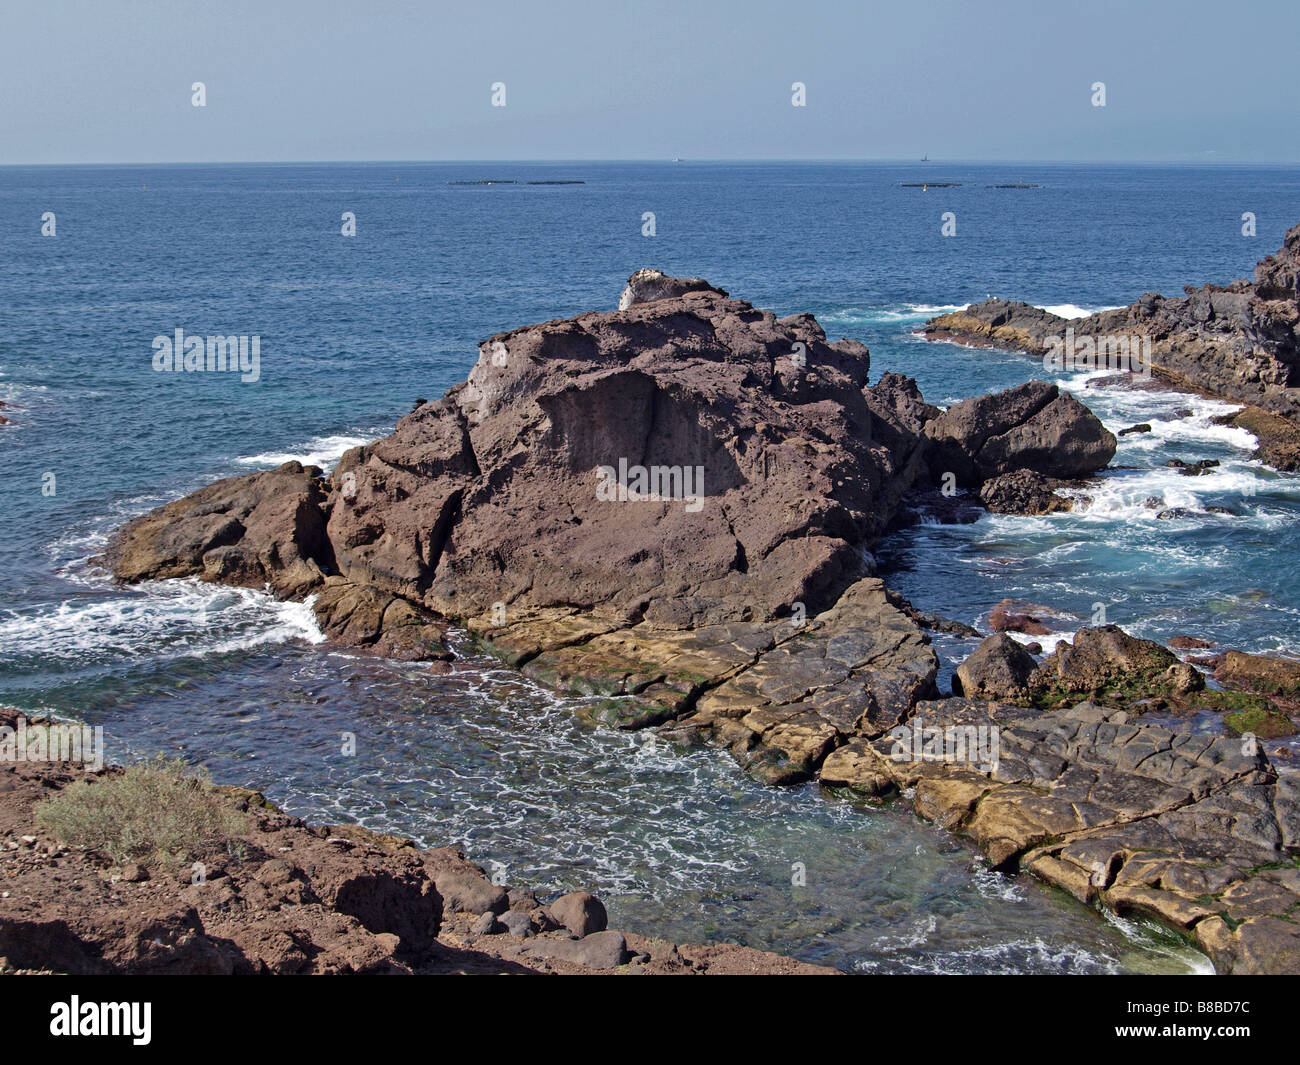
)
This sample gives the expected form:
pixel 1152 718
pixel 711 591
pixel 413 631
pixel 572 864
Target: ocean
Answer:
pixel 352 329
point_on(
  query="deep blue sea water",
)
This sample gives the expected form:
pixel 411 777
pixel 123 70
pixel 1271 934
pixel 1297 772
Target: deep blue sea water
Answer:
pixel 353 329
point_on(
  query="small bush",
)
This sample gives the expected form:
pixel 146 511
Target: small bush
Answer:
pixel 157 812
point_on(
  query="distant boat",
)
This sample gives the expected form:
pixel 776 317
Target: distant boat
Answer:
pixel 676 159
pixel 925 158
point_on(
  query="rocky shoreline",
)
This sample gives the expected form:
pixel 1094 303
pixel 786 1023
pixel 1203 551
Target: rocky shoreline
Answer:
pixel 284 897
pixel 1239 342
pixel 735 606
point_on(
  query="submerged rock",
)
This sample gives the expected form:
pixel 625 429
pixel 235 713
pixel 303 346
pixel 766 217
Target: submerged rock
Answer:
pixel 1026 492
pixel 1011 615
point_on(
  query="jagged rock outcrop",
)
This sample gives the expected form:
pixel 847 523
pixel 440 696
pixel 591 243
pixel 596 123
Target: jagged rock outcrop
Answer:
pixel 1240 342
pixel 259 529
pixel 687 461
pixel 1018 447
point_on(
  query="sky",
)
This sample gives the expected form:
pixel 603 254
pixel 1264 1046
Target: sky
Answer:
pixel 1193 81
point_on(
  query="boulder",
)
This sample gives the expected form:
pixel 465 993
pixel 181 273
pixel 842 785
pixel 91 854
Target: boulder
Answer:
pixel 998 669
pixel 600 950
pixel 1031 427
pixel 467 893
pixel 646 286
pixel 517 923
pixel 1025 492
pixel 1064 439
pixel 581 913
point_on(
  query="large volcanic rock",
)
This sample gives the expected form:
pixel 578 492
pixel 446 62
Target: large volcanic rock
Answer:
pixel 500 492
pixel 687 461
pixel 1240 342
pixel 1033 427
pixel 728 594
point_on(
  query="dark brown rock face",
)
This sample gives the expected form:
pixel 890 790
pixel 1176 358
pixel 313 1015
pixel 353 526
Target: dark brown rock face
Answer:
pixel 1240 342
pixel 1025 492
pixel 1030 427
pixel 646 286
pixel 534 484
pixel 263 528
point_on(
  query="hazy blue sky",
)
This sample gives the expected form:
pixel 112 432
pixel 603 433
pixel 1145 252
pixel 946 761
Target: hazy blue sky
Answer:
pixel 1187 81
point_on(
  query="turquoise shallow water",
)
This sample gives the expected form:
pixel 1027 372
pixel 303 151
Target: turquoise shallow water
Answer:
pixel 353 329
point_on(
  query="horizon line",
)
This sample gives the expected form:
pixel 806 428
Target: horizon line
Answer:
pixel 732 160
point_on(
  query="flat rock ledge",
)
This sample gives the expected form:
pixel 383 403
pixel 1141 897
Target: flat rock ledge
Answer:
pixel 1195 831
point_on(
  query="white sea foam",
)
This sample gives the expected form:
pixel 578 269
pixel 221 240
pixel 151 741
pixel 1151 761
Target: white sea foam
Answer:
pixel 161 620
pixel 1073 310
pixel 323 451
pixel 1159 942
pixel 906 312
pixel 1047 643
